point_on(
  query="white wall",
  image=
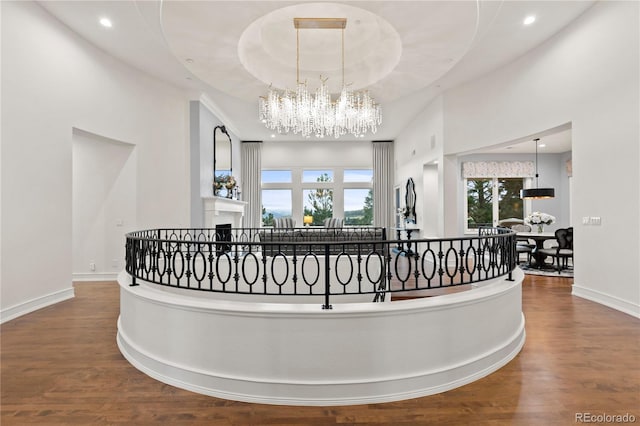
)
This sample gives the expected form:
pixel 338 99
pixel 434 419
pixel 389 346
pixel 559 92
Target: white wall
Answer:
pixel 316 153
pixel 431 199
pixel 587 75
pixel 420 144
pixel 54 81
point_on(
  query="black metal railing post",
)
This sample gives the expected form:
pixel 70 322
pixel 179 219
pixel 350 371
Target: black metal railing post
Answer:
pixel 327 281
pixel 511 240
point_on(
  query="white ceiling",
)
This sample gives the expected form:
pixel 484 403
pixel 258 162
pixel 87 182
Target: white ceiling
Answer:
pixel 551 141
pixel 404 52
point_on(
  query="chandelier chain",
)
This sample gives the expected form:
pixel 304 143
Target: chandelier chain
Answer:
pixel 342 57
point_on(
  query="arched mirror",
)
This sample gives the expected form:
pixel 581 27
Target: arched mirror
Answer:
pixel 222 157
pixel 410 201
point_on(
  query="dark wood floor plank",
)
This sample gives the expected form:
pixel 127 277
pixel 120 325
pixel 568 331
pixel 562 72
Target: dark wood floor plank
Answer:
pixel 61 365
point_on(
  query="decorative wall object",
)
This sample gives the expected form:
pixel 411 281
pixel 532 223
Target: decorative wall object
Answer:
pixel 222 156
pixel 410 202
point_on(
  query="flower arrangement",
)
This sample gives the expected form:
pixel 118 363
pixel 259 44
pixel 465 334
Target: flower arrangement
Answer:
pixel 539 219
pixel 402 213
pixel 224 181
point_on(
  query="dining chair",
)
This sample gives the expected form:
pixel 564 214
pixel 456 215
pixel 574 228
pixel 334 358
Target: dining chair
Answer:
pixel 523 244
pixel 564 251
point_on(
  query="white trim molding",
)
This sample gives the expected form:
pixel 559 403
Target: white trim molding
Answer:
pixel 606 300
pixel 24 308
pixel 95 276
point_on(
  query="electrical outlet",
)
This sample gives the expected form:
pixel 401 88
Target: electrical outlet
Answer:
pixel 92 265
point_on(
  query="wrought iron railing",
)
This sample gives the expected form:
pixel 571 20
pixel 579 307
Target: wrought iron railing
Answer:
pixel 315 261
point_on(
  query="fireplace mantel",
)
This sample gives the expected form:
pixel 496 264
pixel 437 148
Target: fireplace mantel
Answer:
pixel 220 210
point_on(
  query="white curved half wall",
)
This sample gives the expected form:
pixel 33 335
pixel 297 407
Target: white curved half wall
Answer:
pixel 299 354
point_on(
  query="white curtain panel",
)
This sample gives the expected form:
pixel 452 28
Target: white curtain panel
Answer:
pixel 383 214
pixel 251 169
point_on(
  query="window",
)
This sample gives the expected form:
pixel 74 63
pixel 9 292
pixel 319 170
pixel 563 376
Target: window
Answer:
pixel 276 176
pixel 321 193
pixel 490 200
pixel 358 206
pixel 319 204
pixel 479 203
pixel 317 176
pixel 509 202
pixel 275 203
pixel 365 175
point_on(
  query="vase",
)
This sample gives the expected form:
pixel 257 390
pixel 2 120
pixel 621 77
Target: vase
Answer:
pixel 540 229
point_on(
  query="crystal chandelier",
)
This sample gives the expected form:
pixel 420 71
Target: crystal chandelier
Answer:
pixel 300 111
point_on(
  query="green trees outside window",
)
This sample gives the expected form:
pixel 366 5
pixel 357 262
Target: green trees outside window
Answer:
pixel 490 200
pixel 358 206
pixel 479 203
pixel 319 202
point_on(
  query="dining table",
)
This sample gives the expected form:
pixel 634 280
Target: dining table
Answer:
pixel 539 238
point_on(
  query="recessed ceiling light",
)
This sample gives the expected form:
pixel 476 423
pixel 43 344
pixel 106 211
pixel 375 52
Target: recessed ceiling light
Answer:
pixel 189 60
pixel 529 20
pixel 106 22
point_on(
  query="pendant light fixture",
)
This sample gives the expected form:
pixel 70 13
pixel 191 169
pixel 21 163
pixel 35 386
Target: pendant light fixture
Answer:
pixel 537 193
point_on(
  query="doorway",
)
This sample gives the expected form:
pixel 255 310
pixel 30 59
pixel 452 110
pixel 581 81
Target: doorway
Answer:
pixel 103 204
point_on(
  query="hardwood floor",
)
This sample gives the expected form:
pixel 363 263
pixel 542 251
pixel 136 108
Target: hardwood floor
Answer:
pixel 61 365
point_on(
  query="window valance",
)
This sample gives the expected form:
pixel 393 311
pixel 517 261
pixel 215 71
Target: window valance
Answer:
pixel 498 169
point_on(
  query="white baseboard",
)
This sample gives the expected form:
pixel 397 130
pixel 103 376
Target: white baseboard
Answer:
pixel 95 276
pixel 35 304
pixel 607 300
